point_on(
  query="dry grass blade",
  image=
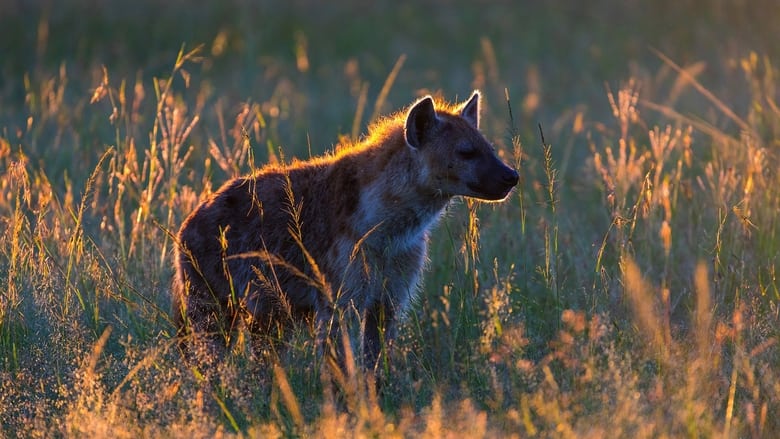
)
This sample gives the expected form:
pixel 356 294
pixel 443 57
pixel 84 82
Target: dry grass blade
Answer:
pixel 703 309
pixel 699 124
pixel 380 100
pixel 274 260
pixel 147 361
pixel 643 304
pixel 288 397
pixel 706 93
pixel 361 108
pixel 97 350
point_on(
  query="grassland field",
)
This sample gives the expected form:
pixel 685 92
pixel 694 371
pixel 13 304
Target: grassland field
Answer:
pixel 627 288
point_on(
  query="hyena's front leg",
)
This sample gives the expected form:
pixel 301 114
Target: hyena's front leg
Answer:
pixel 379 328
pixel 328 333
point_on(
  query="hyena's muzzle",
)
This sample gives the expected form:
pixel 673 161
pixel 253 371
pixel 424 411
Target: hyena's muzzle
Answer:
pixel 494 179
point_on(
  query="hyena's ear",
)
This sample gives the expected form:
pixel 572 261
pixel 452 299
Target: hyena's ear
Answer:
pixel 470 110
pixel 420 120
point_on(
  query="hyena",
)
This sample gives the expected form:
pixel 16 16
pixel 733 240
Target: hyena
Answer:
pixel 343 233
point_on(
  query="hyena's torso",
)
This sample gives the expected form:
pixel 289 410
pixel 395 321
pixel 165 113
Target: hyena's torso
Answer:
pixel 346 232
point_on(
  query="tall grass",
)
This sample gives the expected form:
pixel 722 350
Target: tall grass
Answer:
pixel 641 300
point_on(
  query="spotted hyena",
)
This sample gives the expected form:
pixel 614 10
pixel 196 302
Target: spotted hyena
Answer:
pixel 343 233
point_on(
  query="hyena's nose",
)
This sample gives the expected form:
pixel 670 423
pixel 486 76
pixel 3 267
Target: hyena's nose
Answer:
pixel 510 177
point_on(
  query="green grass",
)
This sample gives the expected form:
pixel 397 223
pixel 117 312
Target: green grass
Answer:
pixel 627 288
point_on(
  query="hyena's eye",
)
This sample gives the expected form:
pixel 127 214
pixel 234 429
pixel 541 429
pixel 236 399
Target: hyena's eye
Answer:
pixel 466 151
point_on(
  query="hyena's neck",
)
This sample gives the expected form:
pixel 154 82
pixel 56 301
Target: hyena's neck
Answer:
pixel 396 205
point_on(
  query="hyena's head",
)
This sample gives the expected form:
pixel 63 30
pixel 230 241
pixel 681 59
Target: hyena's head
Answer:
pixel 458 160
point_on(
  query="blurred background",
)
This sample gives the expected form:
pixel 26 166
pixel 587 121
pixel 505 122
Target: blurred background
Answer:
pixel 309 62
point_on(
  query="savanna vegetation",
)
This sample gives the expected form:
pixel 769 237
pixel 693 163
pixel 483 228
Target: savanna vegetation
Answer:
pixel 627 288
